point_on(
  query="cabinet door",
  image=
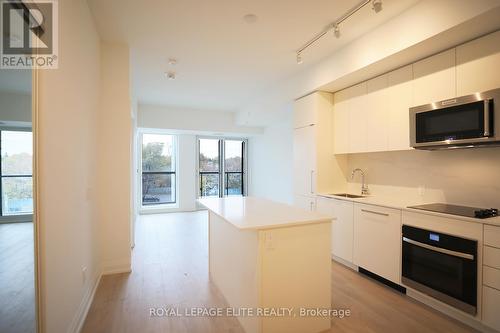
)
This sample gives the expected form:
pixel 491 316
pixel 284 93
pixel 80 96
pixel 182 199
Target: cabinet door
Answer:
pixel 477 65
pixel 304 160
pixel 377 240
pixel 341 122
pixel 399 97
pixel 305 202
pixel 434 78
pixel 376 114
pixel 358 124
pixel 305 111
pixel 491 304
pixel 342 227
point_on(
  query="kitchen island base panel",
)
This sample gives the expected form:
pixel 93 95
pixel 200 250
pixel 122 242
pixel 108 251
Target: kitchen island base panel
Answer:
pixel 286 267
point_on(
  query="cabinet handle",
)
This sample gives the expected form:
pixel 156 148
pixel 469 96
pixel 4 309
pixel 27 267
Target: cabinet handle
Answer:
pixel 487 131
pixel 372 212
pixel 439 249
pixel 312 175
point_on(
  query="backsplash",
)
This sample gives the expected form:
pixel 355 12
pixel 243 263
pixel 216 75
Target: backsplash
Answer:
pixel 463 176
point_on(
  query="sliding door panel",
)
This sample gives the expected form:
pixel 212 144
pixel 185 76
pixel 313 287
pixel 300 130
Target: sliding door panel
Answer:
pixel 209 167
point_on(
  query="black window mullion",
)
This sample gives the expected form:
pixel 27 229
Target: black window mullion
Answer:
pixel 242 168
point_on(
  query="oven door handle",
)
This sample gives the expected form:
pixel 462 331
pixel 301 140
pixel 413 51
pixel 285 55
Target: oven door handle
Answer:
pixel 438 249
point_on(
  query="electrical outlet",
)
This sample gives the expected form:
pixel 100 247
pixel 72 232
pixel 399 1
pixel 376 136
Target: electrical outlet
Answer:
pixel 268 241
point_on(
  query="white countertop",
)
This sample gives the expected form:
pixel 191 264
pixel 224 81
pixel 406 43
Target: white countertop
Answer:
pixel 384 201
pixel 403 204
pixel 257 213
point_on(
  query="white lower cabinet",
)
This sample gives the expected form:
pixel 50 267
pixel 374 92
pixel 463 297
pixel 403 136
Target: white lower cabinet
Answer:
pixel 342 227
pixel 491 277
pixel 305 202
pixel 491 303
pixel 377 240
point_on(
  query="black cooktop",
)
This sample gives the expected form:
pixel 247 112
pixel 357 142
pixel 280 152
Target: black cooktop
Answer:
pixel 473 212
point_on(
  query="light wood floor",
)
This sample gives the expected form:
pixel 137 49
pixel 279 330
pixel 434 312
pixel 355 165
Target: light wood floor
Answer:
pixel 169 269
pixel 17 288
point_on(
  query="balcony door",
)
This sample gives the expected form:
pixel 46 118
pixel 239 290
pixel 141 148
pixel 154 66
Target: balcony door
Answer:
pixel 159 170
pixel 221 167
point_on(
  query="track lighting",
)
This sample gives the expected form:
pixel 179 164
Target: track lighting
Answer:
pixel 299 58
pixel 377 5
pixel 336 30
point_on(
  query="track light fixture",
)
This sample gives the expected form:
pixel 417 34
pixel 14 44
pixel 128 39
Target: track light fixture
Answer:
pixel 376 7
pixel 336 30
pixel 299 58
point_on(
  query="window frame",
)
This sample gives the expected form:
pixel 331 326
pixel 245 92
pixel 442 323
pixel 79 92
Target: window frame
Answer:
pixel 222 165
pixel 15 217
pixel 175 152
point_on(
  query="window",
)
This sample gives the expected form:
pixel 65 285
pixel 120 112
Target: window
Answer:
pixel 158 169
pixel 233 166
pixel 221 167
pixel 209 167
pixel 16 172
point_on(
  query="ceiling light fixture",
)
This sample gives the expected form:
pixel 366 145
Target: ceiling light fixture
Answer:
pixel 172 61
pixel 171 75
pixel 376 6
pixel 250 18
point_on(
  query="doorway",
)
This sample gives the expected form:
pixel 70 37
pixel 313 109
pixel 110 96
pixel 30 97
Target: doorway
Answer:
pixel 18 257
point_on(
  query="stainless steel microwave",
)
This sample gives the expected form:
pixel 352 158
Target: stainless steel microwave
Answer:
pixel 462 122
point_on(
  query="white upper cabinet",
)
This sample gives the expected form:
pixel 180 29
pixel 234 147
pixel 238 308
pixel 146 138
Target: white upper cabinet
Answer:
pixel 375 114
pixel 478 65
pixel 358 124
pixel 399 100
pixel 341 122
pixel 434 78
pixel 305 111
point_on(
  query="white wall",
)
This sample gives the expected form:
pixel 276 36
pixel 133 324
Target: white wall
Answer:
pixel 15 107
pixel 114 159
pixel 200 121
pixel 67 167
pixel 465 177
pixel 270 158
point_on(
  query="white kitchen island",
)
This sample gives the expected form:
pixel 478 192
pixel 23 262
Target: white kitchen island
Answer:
pixel 271 258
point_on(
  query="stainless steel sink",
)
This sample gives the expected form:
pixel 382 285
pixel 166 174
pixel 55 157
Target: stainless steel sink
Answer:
pixel 347 195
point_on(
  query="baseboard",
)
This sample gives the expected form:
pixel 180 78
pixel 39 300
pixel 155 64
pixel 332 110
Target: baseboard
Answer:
pixel 448 310
pixel 116 269
pixel 345 263
pixel 83 309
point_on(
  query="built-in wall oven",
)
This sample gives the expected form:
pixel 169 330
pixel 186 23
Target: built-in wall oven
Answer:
pixel 441 266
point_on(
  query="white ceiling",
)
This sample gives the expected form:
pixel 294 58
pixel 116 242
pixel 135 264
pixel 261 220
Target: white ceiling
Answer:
pixel 222 60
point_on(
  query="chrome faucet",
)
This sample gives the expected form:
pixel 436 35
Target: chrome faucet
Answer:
pixel 364 187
